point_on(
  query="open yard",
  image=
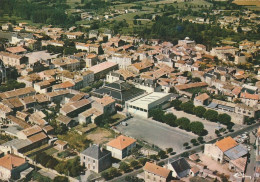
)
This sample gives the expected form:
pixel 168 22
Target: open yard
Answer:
pixel 156 133
pixel 100 135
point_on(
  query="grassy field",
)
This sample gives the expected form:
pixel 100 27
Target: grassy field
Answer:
pixel 247 2
pixel 75 140
pixel 100 136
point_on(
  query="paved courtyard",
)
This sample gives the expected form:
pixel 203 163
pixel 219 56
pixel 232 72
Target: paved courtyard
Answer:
pixel 156 133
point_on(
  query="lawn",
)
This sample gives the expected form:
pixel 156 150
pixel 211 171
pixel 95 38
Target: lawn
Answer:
pixel 100 135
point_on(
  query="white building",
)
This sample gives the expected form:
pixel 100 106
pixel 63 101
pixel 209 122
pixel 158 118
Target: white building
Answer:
pixel 121 146
pixel 140 106
pixel 123 61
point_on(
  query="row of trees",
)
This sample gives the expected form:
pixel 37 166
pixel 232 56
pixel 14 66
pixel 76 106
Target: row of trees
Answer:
pixel 184 123
pixel 70 167
pixel 202 112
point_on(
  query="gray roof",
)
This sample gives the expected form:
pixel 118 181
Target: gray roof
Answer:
pixel 17 143
pixel 212 105
pixel 95 152
pixel 236 152
pixel 180 165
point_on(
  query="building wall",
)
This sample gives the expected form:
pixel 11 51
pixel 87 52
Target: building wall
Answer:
pixel 116 153
pixel 214 152
pixel 150 177
pixel 5 174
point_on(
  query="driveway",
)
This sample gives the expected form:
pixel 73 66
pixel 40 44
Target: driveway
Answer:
pixel 156 133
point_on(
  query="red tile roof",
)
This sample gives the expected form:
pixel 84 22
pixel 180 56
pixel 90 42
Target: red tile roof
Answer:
pixel 121 142
pixel 11 161
pixel 157 170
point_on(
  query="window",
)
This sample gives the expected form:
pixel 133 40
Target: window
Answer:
pixel 94 161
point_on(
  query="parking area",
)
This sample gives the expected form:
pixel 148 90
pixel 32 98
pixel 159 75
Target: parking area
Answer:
pixel 156 133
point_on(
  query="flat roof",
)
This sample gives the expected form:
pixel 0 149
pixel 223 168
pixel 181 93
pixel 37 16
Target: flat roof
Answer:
pixel 148 99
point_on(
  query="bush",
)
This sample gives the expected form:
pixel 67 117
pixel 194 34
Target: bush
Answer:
pixel 193 141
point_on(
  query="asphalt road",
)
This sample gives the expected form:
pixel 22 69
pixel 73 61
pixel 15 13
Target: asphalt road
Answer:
pixel 156 133
pixel 194 149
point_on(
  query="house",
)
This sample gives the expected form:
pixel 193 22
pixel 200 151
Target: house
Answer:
pixel 91 60
pixel 202 99
pixel 88 77
pixel 89 116
pixel 121 146
pixel 249 99
pixel 225 150
pixel 238 165
pixel 22 92
pixel 154 173
pixel 122 60
pixel 180 168
pixel 100 70
pixel 106 105
pixel 74 35
pixel 16 50
pixel 96 158
pixel 11 167
pixel 66 63
pixel 73 109
pixel 194 171
pixel 67 121
pixel 60 145
pixel 13 59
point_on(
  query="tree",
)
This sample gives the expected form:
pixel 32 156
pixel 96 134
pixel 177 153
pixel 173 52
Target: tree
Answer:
pixel 187 107
pixel 134 163
pixel 142 161
pixel 183 123
pixel 112 172
pixel 211 115
pixel 197 127
pixel 162 154
pixel 199 111
pixel 169 150
pixel 196 79
pixel 186 144
pixel 169 119
pixel 224 118
pixel 60 179
pixel 176 104
pixel 124 167
pixel 157 114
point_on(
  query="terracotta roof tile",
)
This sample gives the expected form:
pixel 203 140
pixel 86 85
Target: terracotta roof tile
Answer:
pixel 121 142
pixel 226 144
pixel 202 97
pixel 249 96
pixel 11 161
pixel 157 170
